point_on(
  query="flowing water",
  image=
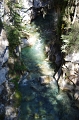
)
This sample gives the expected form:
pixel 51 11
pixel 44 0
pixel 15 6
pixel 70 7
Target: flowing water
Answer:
pixel 39 101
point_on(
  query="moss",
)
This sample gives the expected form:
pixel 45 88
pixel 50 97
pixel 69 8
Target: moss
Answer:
pixel 18 98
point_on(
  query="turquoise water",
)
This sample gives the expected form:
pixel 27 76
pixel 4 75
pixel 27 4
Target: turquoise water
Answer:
pixel 43 102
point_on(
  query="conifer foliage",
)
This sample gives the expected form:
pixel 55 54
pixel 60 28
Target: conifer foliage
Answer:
pixel 14 28
pixel 70 36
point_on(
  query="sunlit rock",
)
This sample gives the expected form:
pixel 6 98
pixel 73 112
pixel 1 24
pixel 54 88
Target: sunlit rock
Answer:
pixel 31 40
pixel 27 11
pixel 63 84
pixel 45 79
pixel 47 49
pixel 11 60
pixel 73 57
pixel 4 52
pixel 27 3
pixel 1 9
pixel 76 95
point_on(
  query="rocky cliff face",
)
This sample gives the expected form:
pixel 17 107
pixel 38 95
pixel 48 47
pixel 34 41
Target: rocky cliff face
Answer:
pixel 69 81
pixel 7 110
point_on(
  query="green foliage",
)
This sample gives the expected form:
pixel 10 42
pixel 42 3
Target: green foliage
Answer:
pixel 19 67
pixel 15 28
pixel 13 36
pixel 71 40
pixel 18 98
pixel 15 81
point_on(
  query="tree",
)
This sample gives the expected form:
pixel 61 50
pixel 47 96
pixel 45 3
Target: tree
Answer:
pixel 14 28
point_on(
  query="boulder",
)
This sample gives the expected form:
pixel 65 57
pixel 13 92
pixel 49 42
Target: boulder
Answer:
pixel 24 43
pixel 45 79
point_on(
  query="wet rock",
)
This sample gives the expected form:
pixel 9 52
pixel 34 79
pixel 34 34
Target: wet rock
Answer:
pixel 24 43
pixel 45 79
pixel 36 87
pixel 24 82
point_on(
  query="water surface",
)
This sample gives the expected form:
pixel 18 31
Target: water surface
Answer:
pixel 43 102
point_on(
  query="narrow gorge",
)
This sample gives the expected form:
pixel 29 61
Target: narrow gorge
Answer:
pixel 39 60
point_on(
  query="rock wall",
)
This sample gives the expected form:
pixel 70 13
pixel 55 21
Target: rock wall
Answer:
pixel 7 111
pixel 69 81
pixel 30 9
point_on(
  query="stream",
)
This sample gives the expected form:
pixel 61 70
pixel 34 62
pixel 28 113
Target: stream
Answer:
pixel 42 101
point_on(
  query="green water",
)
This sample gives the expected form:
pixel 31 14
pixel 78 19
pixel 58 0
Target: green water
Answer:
pixel 42 102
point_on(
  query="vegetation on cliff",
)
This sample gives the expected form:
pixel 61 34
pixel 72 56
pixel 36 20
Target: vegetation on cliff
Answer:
pixel 70 28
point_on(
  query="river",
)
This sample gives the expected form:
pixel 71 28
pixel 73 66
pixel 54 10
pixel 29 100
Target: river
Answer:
pixel 42 101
